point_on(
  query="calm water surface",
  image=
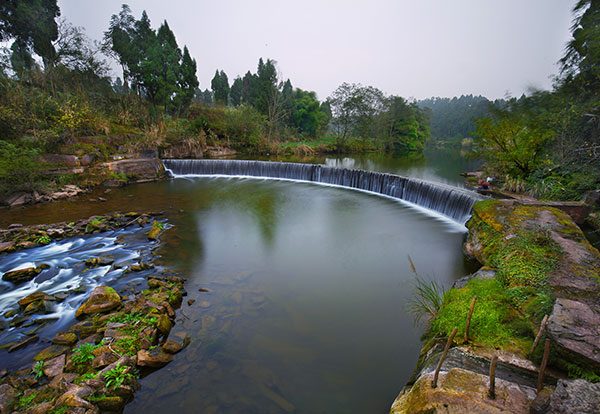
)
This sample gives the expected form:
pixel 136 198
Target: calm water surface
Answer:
pixel 308 287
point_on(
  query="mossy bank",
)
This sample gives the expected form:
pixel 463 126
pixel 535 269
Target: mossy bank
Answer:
pixel 536 262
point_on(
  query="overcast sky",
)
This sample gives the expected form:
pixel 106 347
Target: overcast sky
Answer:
pixel 411 48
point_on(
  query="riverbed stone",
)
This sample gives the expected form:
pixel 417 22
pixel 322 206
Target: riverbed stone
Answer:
pixel 51 352
pixel 64 338
pixel 7 395
pixel 21 275
pixel 34 297
pixel 6 246
pixel 102 299
pixel 54 366
pixel 153 358
pixel 24 343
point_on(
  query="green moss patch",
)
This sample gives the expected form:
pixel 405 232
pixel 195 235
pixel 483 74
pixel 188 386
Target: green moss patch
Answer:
pixel 494 322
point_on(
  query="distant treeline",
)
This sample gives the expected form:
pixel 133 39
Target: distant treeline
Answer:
pixel 453 119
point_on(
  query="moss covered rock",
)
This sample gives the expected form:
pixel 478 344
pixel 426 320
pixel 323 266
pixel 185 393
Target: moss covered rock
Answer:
pixel 102 299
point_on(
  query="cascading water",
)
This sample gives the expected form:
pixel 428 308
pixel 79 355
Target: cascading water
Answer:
pixel 452 202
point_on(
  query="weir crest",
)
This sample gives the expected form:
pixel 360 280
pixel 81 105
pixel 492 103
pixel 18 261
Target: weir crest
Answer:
pixel 452 202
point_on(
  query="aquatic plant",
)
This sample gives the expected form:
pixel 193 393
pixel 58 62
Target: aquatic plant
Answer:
pixel 118 376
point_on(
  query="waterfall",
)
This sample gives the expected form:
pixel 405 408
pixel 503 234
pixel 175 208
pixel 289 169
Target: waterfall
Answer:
pixel 452 202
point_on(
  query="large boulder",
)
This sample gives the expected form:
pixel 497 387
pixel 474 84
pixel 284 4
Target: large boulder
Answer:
pixel 574 324
pixel 102 299
pixel 575 396
pixel 137 170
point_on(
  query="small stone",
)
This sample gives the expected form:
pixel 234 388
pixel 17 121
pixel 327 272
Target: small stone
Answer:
pixel 6 246
pixel 154 358
pixel 204 304
pixel 190 302
pixel 172 347
pixel 64 338
pixel 164 324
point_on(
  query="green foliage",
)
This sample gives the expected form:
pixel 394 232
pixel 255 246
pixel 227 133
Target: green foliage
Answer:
pixel 44 240
pixel 85 377
pixel 118 376
pixel 511 141
pixel 220 88
pixel 63 409
pixel 38 369
pixel 26 402
pixel 576 370
pixel 493 322
pixel 19 167
pixel 83 353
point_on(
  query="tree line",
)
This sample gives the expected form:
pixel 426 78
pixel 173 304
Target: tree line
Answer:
pixel 548 143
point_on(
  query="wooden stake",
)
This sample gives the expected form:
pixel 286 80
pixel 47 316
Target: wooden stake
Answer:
pixel 539 334
pixel 543 367
pixel 437 370
pixel 469 318
pixel 492 390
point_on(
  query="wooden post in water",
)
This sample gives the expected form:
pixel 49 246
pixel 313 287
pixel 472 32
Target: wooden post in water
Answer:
pixel 540 383
pixel 469 318
pixel 437 370
pixel 539 334
pixel 492 390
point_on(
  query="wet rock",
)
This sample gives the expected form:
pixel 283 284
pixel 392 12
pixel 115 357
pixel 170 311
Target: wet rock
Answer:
pixel 204 304
pixel 102 299
pixel 64 338
pixel 61 381
pixel 155 231
pixel 34 297
pixel 51 352
pixel 7 395
pixel 153 358
pixel 190 302
pixel 17 199
pixel 172 347
pixel 6 246
pixel 575 328
pixel 100 261
pixel 164 324
pixel 21 275
pixel 54 366
pixel 111 404
pixel 103 359
pixel 575 396
pixel 24 343
pixel 74 396
pixel 11 313
pixel 83 329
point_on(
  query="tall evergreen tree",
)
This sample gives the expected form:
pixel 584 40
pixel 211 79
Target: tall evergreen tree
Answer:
pixel 235 93
pixel 220 87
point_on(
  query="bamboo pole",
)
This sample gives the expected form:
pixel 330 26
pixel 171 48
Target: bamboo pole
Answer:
pixel 492 390
pixel 469 318
pixel 437 370
pixel 539 334
pixel 543 367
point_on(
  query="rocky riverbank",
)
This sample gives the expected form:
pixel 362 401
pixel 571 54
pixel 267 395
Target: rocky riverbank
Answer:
pixel 566 289
pixel 93 366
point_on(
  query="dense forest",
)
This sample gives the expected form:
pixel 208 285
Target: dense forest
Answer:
pixel 57 95
pixel 453 119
